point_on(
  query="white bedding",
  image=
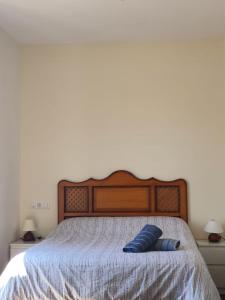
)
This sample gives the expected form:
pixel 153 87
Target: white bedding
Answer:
pixel 83 259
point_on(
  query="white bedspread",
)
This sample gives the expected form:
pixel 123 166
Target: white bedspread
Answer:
pixel 83 259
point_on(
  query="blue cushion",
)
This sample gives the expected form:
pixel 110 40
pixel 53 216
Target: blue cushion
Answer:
pixel 144 240
pixel 165 245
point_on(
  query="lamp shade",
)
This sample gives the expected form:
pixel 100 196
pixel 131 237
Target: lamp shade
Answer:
pixel 213 227
pixel 29 225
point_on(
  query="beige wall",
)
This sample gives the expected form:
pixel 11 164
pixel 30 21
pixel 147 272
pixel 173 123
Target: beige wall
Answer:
pixel 9 143
pixel 155 109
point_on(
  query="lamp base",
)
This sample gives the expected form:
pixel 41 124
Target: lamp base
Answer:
pixel 214 237
pixel 28 237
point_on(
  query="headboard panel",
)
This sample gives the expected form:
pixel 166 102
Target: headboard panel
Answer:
pixel 122 194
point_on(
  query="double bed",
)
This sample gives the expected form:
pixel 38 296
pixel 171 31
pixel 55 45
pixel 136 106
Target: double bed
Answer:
pixel 82 258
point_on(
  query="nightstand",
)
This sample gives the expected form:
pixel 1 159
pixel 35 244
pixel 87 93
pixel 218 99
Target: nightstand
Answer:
pixel 214 255
pixel 21 246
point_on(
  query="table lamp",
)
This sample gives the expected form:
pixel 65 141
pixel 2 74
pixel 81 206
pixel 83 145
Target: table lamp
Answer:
pixel 214 229
pixel 28 227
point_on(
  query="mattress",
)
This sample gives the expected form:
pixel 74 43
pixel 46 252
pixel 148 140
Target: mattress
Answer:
pixel 82 259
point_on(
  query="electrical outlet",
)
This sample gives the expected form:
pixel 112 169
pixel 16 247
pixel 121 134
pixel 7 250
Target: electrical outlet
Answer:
pixel 40 204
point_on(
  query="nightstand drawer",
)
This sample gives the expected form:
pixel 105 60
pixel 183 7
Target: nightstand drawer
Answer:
pixel 218 275
pixel 20 246
pixel 15 251
pixel 213 255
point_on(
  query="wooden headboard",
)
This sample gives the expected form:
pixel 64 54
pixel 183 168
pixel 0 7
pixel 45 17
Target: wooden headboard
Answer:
pixel 122 194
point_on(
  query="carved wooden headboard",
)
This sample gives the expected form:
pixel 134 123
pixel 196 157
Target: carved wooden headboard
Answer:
pixel 122 194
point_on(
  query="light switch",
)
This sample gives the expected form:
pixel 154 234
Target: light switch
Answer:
pixel 40 204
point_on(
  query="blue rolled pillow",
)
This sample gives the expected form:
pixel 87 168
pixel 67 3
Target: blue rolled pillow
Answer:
pixel 165 245
pixel 144 240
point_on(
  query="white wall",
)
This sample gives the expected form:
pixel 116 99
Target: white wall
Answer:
pixel 9 143
pixel 155 109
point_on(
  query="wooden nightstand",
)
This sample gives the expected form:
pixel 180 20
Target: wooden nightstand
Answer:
pixel 214 255
pixel 21 246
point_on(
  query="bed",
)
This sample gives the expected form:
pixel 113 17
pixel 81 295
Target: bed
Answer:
pixel 83 259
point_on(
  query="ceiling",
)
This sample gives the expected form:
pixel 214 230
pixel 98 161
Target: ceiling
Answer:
pixel 85 21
